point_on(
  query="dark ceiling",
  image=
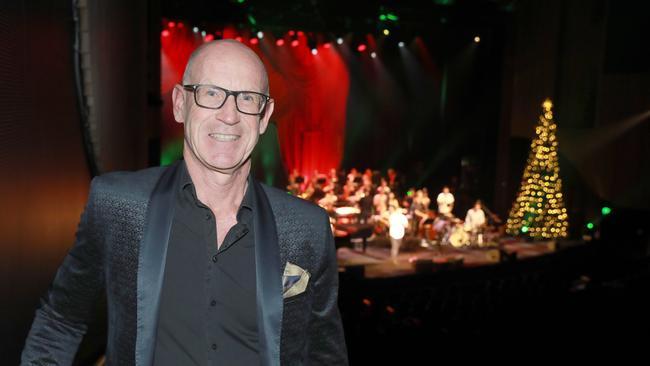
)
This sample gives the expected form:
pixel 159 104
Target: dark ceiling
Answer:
pixel 339 17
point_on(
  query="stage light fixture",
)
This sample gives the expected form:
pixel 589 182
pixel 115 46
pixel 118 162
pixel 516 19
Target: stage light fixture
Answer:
pixel 605 211
pixel 373 55
pixel 386 32
pixel 279 42
pixel 209 38
pixel 203 33
pixel 260 34
pixel 292 33
pixel 195 29
pixel 477 39
pixel 339 40
pixel 314 51
pixel 590 225
pixel 254 40
pixel 239 39
pixel 165 33
pixel 401 44
pixel 294 43
pixel 171 24
pixel 361 47
pixel 327 45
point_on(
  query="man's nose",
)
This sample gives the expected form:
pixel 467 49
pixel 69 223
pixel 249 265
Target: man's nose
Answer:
pixel 228 113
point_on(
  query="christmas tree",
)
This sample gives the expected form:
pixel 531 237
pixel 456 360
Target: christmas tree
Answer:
pixel 539 210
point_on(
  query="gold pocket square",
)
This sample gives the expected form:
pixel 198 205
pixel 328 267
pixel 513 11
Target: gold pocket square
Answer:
pixel 294 280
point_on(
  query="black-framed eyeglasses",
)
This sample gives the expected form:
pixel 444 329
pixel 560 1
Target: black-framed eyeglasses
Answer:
pixel 214 97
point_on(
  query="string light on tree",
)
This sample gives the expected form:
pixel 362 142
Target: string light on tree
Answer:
pixel 538 210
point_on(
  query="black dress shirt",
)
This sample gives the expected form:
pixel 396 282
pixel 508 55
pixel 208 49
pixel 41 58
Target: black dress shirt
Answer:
pixel 208 309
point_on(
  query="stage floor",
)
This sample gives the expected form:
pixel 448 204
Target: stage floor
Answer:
pixel 378 264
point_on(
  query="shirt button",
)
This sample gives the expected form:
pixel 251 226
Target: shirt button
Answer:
pixel 214 346
pixel 214 258
pixel 208 216
pixel 213 303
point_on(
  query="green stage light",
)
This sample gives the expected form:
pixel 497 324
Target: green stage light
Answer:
pixel 382 17
pixel 392 17
pixel 252 20
pixel 590 225
pixel 606 210
pixel 524 229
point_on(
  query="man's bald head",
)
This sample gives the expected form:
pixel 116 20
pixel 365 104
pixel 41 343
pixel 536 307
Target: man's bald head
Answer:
pixel 225 48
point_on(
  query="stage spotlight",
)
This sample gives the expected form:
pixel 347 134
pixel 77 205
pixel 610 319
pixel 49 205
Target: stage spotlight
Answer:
pixel 477 39
pixel 239 39
pixel 301 33
pixel 209 38
pixel 314 51
pixel 373 55
pixel 605 211
pixel 165 33
pixel 386 32
pixel 195 29
pixel 590 225
pixel 339 40
pixel 361 48
pixel 291 33
pixel 294 43
pixel 171 24
pixel 260 34
pixel 327 45
pixel 401 44
pixel 203 33
pixel 254 40
pixel 279 42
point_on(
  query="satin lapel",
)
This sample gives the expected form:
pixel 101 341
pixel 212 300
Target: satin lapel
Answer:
pixel 151 263
pixel 269 278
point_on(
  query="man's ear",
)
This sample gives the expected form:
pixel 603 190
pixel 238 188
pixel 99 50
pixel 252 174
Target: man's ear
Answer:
pixel 264 121
pixel 178 103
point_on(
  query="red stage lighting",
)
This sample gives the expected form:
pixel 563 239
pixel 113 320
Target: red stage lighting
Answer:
pixel 180 25
pixel 208 38
pixel 254 40
pixel 361 48
pixel 291 33
pixel 327 45
pixel 238 39
pixel 171 24
pixel 294 43
pixel 279 42
pixel 165 33
pixel 301 33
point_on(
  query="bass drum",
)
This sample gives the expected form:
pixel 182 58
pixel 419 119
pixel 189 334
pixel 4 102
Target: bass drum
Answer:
pixel 458 237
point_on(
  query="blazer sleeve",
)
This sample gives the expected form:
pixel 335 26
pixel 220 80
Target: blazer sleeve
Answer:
pixel 326 342
pixel 66 308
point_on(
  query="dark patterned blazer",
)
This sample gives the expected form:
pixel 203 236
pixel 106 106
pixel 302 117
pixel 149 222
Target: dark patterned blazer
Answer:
pixel 120 253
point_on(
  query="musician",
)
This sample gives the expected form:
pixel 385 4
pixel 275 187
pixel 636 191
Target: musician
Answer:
pixel 475 222
pixel 445 202
pixel 398 224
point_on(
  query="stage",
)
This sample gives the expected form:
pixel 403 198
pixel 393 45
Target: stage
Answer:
pixel 414 258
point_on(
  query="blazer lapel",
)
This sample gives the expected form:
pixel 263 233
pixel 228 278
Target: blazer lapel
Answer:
pixel 151 263
pixel 269 278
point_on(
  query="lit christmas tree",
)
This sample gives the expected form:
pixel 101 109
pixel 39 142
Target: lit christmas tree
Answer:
pixel 539 210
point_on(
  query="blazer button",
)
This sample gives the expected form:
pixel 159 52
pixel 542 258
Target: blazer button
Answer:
pixel 214 258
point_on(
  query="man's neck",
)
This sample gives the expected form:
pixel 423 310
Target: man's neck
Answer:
pixel 217 190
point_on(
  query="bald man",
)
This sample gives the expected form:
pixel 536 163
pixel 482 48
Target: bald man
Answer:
pixel 199 263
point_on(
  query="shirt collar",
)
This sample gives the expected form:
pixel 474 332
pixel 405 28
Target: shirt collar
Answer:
pixel 248 201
